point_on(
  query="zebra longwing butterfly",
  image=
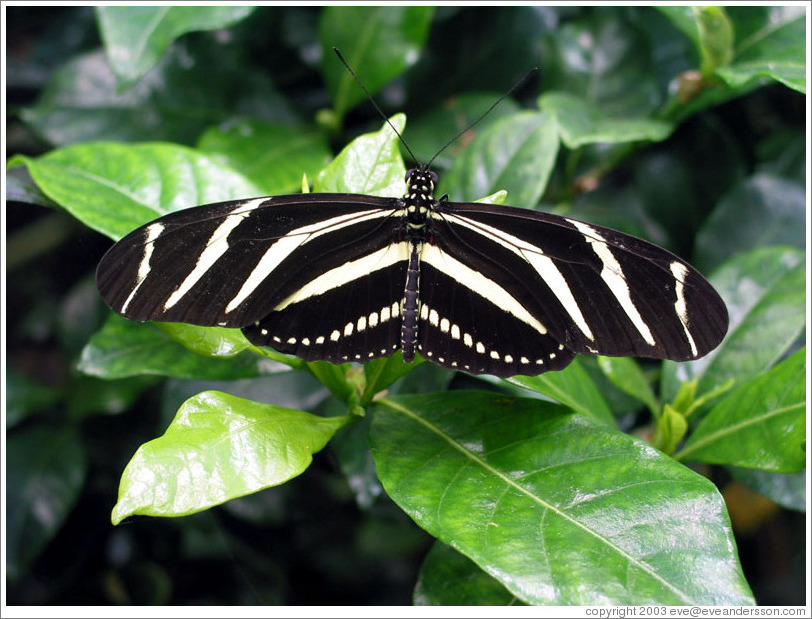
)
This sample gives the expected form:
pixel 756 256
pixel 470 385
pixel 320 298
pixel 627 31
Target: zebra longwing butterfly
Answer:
pixel 474 287
pixel 481 288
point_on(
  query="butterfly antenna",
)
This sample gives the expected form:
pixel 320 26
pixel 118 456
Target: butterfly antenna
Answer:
pixel 374 104
pixel 513 89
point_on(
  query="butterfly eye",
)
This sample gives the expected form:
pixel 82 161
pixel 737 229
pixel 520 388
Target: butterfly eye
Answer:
pixel 409 175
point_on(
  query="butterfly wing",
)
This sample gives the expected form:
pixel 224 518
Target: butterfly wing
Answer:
pixel 591 289
pixel 232 263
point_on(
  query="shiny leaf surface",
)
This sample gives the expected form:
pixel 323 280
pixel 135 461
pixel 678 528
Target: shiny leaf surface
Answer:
pixel 516 154
pixel 135 37
pixel 114 188
pixel 124 348
pixel 761 424
pixel 219 447
pixel 557 508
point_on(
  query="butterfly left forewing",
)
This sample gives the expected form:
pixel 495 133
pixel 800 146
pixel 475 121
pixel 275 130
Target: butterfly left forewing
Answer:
pixel 228 264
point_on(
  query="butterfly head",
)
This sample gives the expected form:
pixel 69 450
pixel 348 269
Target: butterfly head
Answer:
pixel 421 184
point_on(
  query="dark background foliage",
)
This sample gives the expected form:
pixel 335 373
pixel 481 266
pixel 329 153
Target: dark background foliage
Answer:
pixel 69 435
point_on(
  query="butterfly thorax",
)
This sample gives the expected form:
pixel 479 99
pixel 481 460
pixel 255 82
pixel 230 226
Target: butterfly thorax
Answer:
pixel 419 201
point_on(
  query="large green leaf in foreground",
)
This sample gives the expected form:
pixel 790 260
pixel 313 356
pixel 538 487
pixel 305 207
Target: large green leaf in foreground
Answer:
pixel 556 507
pixel 219 447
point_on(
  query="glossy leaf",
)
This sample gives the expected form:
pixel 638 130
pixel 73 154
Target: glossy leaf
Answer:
pixel 788 490
pixel 761 424
pixel 114 188
pixel 765 294
pixel 606 61
pixel 763 210
pixel 136 37
pixel 572 387
pixel 272 156
pixel 219 447
pixel 80 103
pixel 46 468
pixel 370 164
pixel 516 154
pixel 771 42
pixel 557 508
pixel 379 43
pixel 709 29
pixel 125 348
pixel 448 578
pixel 582 122
pixel 625 374
pixel 207 341
pixel 430 132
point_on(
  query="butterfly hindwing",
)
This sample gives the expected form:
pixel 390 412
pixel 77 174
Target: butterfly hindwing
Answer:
pixel 355 316
pixel 478 327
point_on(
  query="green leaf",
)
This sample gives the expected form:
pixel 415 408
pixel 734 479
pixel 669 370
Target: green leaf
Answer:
pixel 193 87
pixel 136 37
pixel 516 153
pixel 93 396
pixel 379 43
pixel 605 60
pixel 46 469
pixel 582 122
pixel 124 348
pixel 272 156
pixel 219 447
pixel 351 447
pixel 206 341
pixel 370 164
pixel 448 578
pixel 430 132
pixel 572 387
pixel 335 378
pixel 114 188
pixel 554 506
pixel 709 29
pixel 762 210
pixel 761 424
pixel 765 294
pixel 788 490
pixel 26 396
pixel 771 42
pixel 670 430
pixel 380 373
pixel 626 375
